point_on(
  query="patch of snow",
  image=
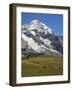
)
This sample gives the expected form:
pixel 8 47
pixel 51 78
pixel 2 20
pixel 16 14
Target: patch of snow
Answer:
pixel 47 28
pixel 31 42
pixel 55 51
pixel 46 41
pixel 33 33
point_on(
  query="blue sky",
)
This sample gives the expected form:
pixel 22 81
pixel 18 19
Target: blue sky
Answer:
pixel 54 21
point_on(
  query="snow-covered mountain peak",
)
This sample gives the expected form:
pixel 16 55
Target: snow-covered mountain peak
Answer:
pixel 36 25
pixel 35 21
pixel 39 26
pixel 40 38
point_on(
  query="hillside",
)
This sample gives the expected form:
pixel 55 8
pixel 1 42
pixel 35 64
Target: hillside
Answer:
pixel 42 66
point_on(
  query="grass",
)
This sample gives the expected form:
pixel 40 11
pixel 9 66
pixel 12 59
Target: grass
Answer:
pixel 42 66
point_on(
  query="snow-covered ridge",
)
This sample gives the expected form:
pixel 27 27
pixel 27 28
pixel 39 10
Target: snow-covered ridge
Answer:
pixel 35 24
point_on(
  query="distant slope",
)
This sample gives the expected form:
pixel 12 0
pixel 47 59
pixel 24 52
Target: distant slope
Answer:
pixel 59 43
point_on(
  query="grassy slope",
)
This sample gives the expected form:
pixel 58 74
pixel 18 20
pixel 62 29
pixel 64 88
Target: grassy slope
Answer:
pixel 42 66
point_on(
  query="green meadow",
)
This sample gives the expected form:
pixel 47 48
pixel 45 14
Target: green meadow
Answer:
pixel 42 66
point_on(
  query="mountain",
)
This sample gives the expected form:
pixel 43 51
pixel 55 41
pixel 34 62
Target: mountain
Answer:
pixel 59 43
pixel 38 38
